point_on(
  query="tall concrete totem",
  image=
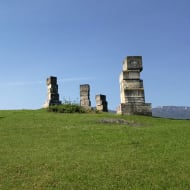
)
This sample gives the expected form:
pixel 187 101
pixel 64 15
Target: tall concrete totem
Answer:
pixel 85 96
pixel 131 88
pixel 53 96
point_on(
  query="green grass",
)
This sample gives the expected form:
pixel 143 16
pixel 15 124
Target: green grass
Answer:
pixel 40 150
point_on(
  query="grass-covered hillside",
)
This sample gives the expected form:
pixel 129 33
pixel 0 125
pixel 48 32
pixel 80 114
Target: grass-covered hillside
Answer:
pixel 42 150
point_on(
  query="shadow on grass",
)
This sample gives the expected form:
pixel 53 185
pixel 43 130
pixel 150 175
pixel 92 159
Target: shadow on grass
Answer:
pixel 120 121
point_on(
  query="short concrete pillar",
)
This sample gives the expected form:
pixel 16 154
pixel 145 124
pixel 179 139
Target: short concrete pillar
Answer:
pixel 53 95
pixel 85 96
pixel 101 103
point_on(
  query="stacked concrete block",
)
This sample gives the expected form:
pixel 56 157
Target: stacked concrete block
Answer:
pixel 101 103
pixel 131 88
pixel 53 95
pixel 85 96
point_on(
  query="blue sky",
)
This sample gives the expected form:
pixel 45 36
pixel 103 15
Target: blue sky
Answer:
pixel 85 41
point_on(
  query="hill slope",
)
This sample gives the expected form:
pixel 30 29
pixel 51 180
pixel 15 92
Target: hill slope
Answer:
pixel 41 150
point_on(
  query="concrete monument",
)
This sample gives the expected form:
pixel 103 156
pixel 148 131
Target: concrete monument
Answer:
pixel 131 88
pixel 53 96
pixel 85 96
pixel 101 103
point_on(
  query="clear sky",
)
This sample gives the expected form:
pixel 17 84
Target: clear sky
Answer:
pixel 85 41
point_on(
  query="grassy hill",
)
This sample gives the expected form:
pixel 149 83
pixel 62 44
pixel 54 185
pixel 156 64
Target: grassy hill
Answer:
pixel 40 150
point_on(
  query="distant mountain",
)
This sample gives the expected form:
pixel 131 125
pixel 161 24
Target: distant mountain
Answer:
pixel 176 112
pixel 112 111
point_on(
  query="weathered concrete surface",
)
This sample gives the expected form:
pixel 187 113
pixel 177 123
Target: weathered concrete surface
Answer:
pixel 85 96
pixel 53 95
pixel 101 103
pixel 135 109
pixel 131 88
